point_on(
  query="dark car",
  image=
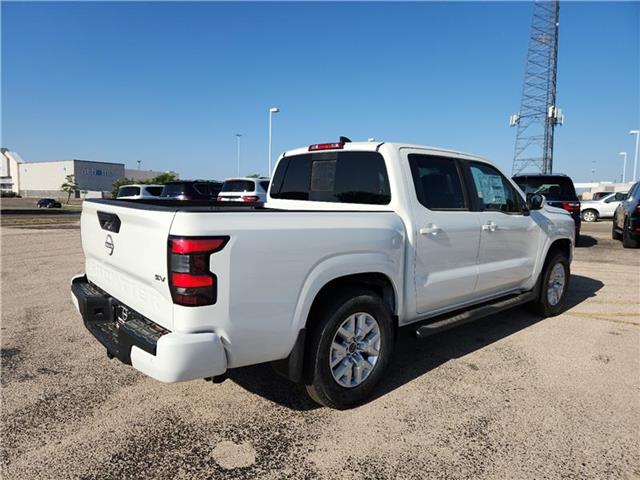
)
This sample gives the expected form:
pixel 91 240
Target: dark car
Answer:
pixel 558 190
pixel 192 190
pixel 626 219
pixel 48 203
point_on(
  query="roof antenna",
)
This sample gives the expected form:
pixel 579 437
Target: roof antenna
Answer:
pixel 345 140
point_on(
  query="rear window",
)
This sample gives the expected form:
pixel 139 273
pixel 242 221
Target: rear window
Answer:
pixel 345 177
pixel 154 190
pixel 554 188
pixel 175 189
pixel 238 186
pixel 128 191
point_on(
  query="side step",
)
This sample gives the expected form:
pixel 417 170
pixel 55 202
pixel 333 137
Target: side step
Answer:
pixel 447 321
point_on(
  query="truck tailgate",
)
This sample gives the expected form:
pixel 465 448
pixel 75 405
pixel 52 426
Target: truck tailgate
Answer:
pixel 126 256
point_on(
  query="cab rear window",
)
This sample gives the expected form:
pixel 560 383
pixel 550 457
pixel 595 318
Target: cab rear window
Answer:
pixel 342 177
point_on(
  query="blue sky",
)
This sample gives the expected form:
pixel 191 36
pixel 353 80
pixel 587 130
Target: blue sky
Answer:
pixel 171 84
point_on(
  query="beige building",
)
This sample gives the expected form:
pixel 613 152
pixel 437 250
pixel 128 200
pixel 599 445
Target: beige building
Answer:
pixel 45 179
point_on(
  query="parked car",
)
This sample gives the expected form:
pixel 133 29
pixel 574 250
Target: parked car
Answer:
pixel 247 190
pixel 192 190
pixel 355 241
pixel 626 219
pixel 593 210
pixel 558 190
pixel 136 192
pixel 48 203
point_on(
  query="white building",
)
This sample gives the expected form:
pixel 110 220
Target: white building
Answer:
pixel 45 179
pixel 9 170
pixel 145 175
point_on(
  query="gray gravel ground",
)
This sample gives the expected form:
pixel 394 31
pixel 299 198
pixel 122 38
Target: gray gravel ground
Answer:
pixel 508 397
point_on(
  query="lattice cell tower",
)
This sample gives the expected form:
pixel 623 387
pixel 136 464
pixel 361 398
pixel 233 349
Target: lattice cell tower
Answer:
pixel 538 114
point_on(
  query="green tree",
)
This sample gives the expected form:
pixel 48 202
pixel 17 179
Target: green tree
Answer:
pixel 70 186
pixel 162 178
pixel 254 175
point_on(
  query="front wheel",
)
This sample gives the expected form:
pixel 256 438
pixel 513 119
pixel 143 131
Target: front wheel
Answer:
pixel 349 349
pixel 590 216
pixel 553 287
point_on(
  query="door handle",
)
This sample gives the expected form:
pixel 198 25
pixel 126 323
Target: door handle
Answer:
pixel 430 229
pixel 490 227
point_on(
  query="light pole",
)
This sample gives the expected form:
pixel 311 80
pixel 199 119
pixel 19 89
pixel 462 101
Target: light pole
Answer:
pixel 238 135
pixel 635 160
pixel 624 165
pixel 272 110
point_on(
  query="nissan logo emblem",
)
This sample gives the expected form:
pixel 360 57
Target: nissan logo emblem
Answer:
pixel 109 244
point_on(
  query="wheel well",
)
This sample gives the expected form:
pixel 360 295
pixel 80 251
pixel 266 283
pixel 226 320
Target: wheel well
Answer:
pixel 562 245
pixel 379 283
pixel 295 367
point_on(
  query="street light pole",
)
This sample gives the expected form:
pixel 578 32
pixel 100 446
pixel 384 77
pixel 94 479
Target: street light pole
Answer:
pixel 624 165
pixel 272 110
pixel 238 135
pixel 635 161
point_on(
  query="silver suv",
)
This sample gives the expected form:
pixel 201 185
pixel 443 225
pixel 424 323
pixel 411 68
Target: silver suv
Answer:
pixel 244 189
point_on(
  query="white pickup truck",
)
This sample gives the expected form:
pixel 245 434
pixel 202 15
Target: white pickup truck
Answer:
pixel 355 241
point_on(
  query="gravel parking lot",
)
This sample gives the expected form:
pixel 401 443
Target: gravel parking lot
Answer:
pixel 511 396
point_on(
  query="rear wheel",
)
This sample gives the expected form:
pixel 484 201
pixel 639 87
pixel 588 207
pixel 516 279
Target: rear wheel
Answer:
pixel 554 283
pixel 627 241
pixel 590 216
pixel 349 349
pixel 615 235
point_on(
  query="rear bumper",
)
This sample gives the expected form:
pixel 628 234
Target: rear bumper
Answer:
pixel 137 341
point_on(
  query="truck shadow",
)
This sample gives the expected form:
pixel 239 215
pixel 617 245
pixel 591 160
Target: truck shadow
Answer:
pixel 586 241
pixel 412 357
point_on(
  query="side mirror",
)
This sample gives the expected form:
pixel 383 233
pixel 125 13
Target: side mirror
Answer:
pixel 536 201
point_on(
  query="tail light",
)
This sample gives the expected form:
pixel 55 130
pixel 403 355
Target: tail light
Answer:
pixel 250 198
pixel 571 206
pixel 190 281
pixel 219 199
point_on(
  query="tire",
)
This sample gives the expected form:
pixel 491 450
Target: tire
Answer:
pixel 615 235
pixel 590 215
pixel 544 305
pixel 627 241
pixel 354 309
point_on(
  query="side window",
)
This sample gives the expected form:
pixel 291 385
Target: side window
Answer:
pixel 264 185
pixel 494 191
pixel 437 182
pixel 620 196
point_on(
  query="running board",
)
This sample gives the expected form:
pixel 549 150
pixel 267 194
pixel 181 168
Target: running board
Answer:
pixel 447 321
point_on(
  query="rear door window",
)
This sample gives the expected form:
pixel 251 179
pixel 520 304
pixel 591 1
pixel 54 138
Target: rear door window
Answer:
pixel 265 185
pixel 437 182
pixel 345 177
